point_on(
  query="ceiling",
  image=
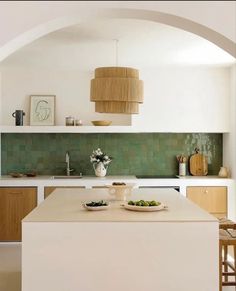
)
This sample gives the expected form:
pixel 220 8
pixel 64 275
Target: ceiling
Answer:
pixel 141 44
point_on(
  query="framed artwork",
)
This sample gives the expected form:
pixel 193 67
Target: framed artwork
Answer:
pixel 42 109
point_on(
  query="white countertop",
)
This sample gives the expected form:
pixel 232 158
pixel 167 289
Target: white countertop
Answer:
pixel 65 205
pixel 86 178
pixel 89 182
pixel 106 178
pixel 44 181
pixel 201 177
pixel 93 180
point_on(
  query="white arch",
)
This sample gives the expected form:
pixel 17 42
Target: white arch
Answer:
pixel 169 19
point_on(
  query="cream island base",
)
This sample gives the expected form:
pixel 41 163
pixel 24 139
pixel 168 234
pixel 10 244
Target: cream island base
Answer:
pixel 67 248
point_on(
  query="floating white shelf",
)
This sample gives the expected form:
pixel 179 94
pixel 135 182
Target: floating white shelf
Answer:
pixel 66 129
pixel 90 129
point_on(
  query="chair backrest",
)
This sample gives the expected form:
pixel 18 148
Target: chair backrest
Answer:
pixel 227 224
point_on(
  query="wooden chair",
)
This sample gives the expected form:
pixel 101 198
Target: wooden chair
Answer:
pixel 227 237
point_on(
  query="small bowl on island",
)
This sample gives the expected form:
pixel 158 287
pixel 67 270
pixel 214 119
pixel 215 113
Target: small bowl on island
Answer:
pixel 96 205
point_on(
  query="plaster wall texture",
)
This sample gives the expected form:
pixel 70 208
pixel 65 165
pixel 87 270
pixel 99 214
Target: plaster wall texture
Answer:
pixel 183 94
pixel 45 16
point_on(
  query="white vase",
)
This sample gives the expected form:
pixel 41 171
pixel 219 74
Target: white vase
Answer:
pixel 182 169
pixel 223 173
pixel 100 169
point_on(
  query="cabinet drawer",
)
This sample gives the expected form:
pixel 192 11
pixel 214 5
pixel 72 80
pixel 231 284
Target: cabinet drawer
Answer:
pixel 212 199
pixel 15 204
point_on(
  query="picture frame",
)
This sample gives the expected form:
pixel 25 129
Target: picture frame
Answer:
pixel 42 109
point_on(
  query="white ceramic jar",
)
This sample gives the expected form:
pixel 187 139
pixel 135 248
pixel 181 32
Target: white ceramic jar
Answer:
pixel 223 173
pixel 182 169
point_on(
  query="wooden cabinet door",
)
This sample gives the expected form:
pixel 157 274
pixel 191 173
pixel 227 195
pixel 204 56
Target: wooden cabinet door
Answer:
pixel 48 191
pixel 15 204
pixel 212 199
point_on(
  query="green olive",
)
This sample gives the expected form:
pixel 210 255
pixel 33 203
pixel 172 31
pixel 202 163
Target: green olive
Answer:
pixel 144 203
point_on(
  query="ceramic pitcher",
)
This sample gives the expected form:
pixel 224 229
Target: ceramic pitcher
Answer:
pixel 100 169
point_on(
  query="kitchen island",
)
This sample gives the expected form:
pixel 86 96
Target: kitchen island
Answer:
pixel 66 247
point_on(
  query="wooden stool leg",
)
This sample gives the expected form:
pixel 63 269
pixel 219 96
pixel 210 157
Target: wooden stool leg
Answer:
pixel 234 263
pixel 225 262
pixel 220 266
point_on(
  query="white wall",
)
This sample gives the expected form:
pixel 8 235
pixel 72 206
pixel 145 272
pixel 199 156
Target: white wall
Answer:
pixel 177 99
pixel 0 97
pixel 209 13
pixel 72 90
pixel 229 145
pixel 0 119
pixel 45 16
pixel 185 99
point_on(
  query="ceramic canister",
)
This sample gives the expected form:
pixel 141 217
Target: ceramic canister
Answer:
pixel 223 173
pixel 182 169
pixel 70 121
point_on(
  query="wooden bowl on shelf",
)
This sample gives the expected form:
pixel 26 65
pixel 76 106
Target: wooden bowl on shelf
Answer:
pixel 31 174
pixel 16 175
pixel 101 122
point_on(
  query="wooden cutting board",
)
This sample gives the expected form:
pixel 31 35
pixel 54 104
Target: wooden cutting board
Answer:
pixel 198 165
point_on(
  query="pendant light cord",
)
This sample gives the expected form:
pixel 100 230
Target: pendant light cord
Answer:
pixel 116 51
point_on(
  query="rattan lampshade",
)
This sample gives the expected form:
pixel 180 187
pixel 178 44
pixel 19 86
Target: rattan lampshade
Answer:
pixel 116 90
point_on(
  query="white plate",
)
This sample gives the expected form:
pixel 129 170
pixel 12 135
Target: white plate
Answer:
pixel 95 208
pixel 144 208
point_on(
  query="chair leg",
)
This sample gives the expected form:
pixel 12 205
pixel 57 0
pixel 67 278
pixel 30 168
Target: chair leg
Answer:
pixel 225 262
pixel 234 263
pixel 220 266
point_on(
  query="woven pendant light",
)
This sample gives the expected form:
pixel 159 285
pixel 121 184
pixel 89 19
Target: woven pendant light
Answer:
pixel 116 89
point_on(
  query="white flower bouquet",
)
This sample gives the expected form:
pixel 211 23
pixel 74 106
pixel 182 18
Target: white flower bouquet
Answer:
pixel 99 157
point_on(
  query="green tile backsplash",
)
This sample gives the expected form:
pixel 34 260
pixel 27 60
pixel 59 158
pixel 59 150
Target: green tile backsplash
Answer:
pixel 133 153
